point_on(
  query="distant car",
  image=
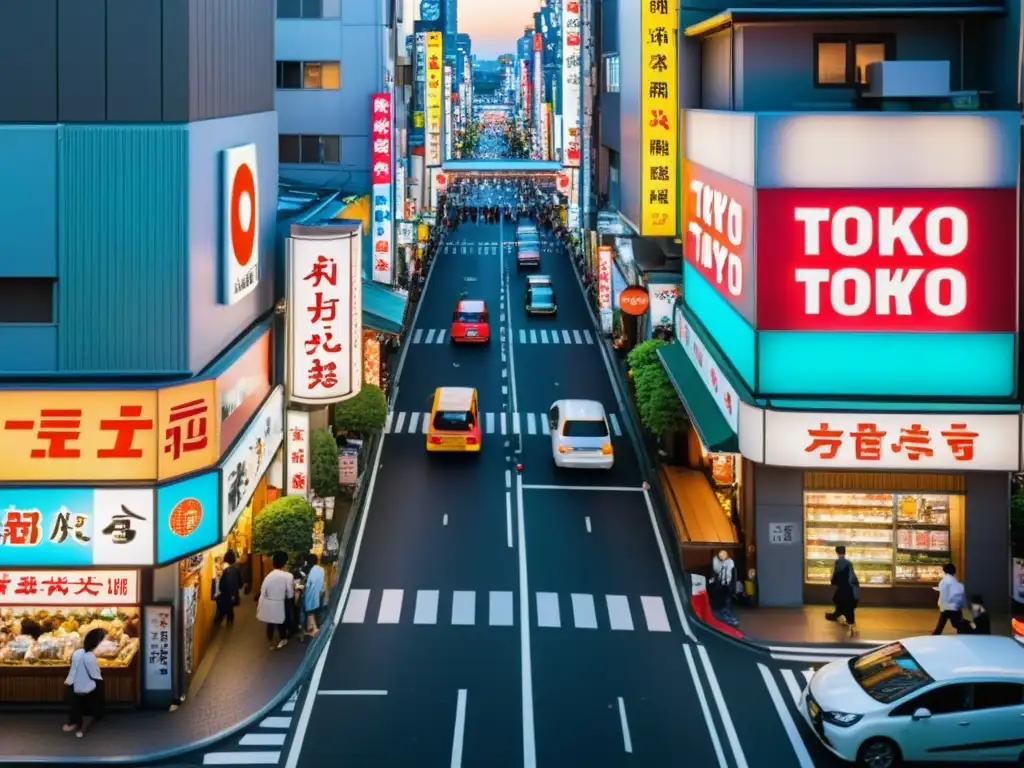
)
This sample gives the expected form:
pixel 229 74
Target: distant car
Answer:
pixel 470 322
pixel 956 698
pixel 527 246
pixel 540 298
pixel 454 421
pixel 579 435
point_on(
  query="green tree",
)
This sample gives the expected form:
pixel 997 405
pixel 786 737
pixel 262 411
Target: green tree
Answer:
pixel 286 525
pixel 660 409
pixel 644 354
pixel 323 463
pixel 363 414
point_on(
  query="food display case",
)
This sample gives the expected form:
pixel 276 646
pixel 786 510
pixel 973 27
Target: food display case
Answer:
pixel 922 538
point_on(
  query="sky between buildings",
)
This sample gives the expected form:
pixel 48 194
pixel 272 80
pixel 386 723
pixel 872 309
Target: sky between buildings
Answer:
pixel 494 25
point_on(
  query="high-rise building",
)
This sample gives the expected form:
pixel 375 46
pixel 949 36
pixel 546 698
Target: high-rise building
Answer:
pixel 451 17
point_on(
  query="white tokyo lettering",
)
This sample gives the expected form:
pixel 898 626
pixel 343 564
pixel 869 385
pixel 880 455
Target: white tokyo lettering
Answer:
pixel 893 226
pixel 883 292
pixel 724 216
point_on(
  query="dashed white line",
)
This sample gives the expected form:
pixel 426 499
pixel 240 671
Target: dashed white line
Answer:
pixel 627 741
pixel 508 517
pixel 444 520
pixel 802 755
pixel 723 710
pixel 702 698
pixel 587 521
pixel 460 729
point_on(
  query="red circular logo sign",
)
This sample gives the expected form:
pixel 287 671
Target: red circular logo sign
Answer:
pixel 442 179
pixel 563 182
pixel 634 300
pixel 185 517
pixel 243 233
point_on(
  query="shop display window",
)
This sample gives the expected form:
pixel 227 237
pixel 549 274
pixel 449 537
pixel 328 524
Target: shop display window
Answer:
pixel 47 636
pixel 893 539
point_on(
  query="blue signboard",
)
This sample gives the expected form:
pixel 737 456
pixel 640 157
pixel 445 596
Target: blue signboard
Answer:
pixel 724 324
pixel 188 517
pixel 70 527
pixel 430 10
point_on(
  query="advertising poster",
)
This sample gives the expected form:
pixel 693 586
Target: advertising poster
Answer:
pixel 296 454
pixel 537 89
pixel 717 384
pixel 421 57
pixel 240 249
pixel 659 112
pixel 325 324
pixel 245 466
pixel 401 190
pixel 70 588
pixel 604 287
pixel 663 298
pixel 572 70
pixel 434 99
pixel 447 125
pixel 187 516
pixel 157 653
pixel 381 158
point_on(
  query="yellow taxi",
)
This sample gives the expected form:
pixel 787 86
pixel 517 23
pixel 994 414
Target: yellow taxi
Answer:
pixel 454 420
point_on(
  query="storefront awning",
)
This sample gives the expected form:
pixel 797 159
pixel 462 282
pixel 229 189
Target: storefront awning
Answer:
pixel 709 422
pixel 383 308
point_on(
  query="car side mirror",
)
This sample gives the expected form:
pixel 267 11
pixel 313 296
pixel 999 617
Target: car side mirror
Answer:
pixel 921 714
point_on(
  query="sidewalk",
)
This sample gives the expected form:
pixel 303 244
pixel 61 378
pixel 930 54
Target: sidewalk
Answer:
pixel 239 676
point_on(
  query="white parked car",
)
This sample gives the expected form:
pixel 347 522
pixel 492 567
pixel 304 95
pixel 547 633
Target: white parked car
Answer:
pixel 955 698
pixel 579 435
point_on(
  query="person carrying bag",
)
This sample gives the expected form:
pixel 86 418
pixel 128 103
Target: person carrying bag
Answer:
pixel 84 683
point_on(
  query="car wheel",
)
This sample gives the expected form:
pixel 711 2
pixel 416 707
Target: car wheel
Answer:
pixel 879 753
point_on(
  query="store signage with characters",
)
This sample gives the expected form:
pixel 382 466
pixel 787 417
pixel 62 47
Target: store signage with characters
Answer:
pixel 663 298
pixel 241 389
pixel 421 58
pixel 659 118
pixel 156 648
pixel 71 527
pixel 406 233
pixel 187 517
pixel 604 286
pixel 325 316
pixel 70 588
pixel 633 300
pixel 887 260
pixel 572 52
pixel 718 218
pixel 99 436
pixel 433 96
pixel 782 533
pixel 925 442
pixel 245 466
pixel 381 157
pixel 296 454
pixel 240 256
pixel 723 393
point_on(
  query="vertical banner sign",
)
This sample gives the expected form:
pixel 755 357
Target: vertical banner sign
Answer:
pixel 524 87
pixel 381 178
pixel 296 454
pixel 448 117
pixel 400 190
pixel 325 329
pixel 157 655
pixel 604 287
pixel 421 57
pixel 240 249
pixel 572 50
pixel 659 114
pixel 434 90
pixel 538 95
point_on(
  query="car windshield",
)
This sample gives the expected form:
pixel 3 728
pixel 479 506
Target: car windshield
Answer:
pixel 469 317
pixel 453 421
pixel 585 428
pixel 542 295
pixel 889 673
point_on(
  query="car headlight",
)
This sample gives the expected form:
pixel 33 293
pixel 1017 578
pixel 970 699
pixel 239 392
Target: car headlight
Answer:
pixel 841 719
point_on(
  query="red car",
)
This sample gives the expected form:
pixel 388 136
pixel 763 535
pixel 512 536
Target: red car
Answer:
pixel 471 322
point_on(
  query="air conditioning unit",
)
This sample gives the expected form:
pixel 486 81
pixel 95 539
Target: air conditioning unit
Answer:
pixel 907 80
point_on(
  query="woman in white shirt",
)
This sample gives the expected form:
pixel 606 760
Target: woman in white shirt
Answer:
pixel 278 586
pixel 83 683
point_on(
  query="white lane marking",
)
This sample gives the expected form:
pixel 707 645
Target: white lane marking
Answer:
pixel 504 373
pixel 543 337
pixel 789 678
pixel 816 650
pixel 584 615
pixel 618 612
pixel 554 337
pixel 387 422
pixel 723 710
pixel 426 606
pixel 522 336
pixel 414 420
pixel 354 692
pixel 802 657
pixel 547 610
pixel 808 674
pixel 515 423
pixel 533 337
pixel 460 729
pixel 276 722
pixel 425 423
pixel 655 614
pixel 683 621
pixel 616 429
pixel 390 606
pixel 489 423
pixel 417 336
pixel 588 337
pixel 799 747
pixel 702 698
pixel 508 478
pixel 508 518
pixel 504 423
pixel 400 422
pixel 440 336
pixel 241 758
pixel 500 609
pixel 501 317
pixel 504 388
pixel 463 608
pixel 544 426
pixel 592 488
pixel 587 521
pixel 531 424
pixel 444 520
pixel 430 336
pixel 565 337
pixel 263 740
pixel 576 337
pixel 627 741
pixel 355 609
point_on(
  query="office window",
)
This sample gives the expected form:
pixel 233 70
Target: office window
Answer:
pixel 289 74
pixel 842 62
pixel 27 300
pixel 309 75
pixel 309 149
pixel 308 9
pixel 611 73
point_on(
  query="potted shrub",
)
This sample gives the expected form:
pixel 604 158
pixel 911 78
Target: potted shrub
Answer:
pixel 323 464
pixel 285 525
pixel 364 414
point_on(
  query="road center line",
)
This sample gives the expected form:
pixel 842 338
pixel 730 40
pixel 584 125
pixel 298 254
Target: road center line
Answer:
pixel 444 520
pixel 460 729
pixel 508 478
pixel 627 741
pixel 587 520
pixel 668 569
pixel 529 735
pixel 508 516
pixel 705 709
pixel 352 693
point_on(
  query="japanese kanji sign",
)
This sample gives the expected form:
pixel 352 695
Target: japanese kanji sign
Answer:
pixel 157 648
pixel 380 138
pixel 717 383
pixel 434 96
pixel 69 527
pixel 572 72
pixel 325 316
pixel 382 213
pixel 101 436
pixel 296 447
pixel 107 589
pixel 882 441
pixel 245 466
pixel 604 286
pixel 659 115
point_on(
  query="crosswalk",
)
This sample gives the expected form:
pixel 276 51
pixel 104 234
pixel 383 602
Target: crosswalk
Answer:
pixel 799 663
pixel 554 336
pixel 260 744
pixel 467 608
pixel 413 423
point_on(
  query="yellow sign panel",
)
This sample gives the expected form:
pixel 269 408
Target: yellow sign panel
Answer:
pixel 103 436
pixel 434 92
pixel 659 113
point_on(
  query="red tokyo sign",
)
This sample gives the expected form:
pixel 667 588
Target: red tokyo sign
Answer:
pixel 892 260
pixel 717 218
pixel 380 138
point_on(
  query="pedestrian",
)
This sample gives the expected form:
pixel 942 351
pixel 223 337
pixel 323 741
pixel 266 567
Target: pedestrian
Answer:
pixel 980 624
pixel 278 587
pixel 847 594
pixel 724 579
pixel 951 600
pixel 312 595
pixel 85 696
pixel 294 619
pixel 229 590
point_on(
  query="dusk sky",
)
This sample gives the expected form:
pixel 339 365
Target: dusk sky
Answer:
pixel 494 25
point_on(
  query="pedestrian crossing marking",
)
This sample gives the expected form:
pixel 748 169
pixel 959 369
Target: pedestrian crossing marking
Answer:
pixel 583 612
pixel 242 758
pixel 463 609
pixel 426 606
pixel 522 336
pixel 430 336
pixel 618 612
pixel 504 423
pixel 525 336
pixel 655 615
pixel 500 609
pixel 588 337
pixel 401 421
pixel 262 740
pixel 515 424
pixel 793 685
pixel 489 423
pixel 555 338
pixel 417 335
pixel 536 424
pixel 531 424
pixel 565 337
pixel 543 337
pixel 576 337
pixel 440 336
pixel 355 607
pixel 547 610
pixel 533 337
pixel 390 607
pixel 413 421
pixel 276 722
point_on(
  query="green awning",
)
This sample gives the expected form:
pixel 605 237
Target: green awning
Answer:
pixel 709 422
pixel 383 308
